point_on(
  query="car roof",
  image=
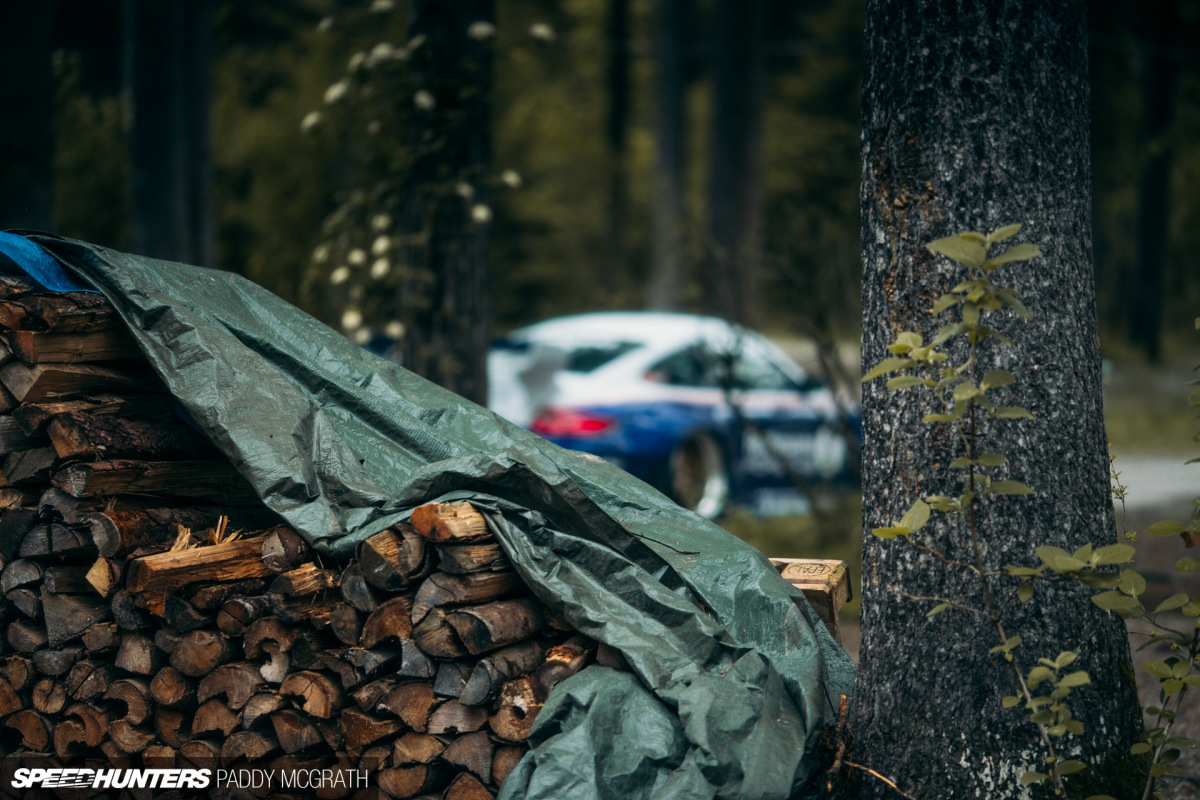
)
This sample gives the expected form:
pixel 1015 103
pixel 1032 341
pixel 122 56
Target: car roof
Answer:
pixel 654 328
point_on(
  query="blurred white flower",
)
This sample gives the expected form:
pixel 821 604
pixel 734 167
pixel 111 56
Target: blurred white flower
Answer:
pixel 362 336
pixel 511 178
pixel 465 190
pixel 381 222
pixel 352 319
pixel 381 245
pixel 415 42
pixel 380 268
pixel 481 30
pixel 357 257
pixel 311 120
pixel 339 275
pixel 325 24
pixel 356 61
pixel 382 6
pixel 424 100
pixel 337 91
pixel 481 213
pixel 542 32
pixel 394 329
pixel 321 253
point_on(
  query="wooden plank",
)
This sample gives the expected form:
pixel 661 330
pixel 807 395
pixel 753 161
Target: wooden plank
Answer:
pixel 45 382
pixel 825 582
pixel 232 561
pixel 76 347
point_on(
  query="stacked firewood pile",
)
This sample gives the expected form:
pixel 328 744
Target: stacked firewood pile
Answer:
pixel 156 612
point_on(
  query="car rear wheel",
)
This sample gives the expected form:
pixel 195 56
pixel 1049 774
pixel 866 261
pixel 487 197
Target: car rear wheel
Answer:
pixel 699 480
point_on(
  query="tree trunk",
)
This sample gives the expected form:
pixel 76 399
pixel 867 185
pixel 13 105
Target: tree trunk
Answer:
pixel 975 117
pixel 735 192
pixel 444 304
pixel 27 135
pixel 168 77
pixel 618 125
pixel 666 275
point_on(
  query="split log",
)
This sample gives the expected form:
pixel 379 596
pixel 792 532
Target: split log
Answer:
pixel 248 746
pixel 391 620
pixel 167 639
pixel 496 669
pixel 21 572
pixel 26 600
pixel 130 738
pixel 416 748
pixel 444 589
pixel 360 729
pixel 236 682
pixel 200 652
pixel 14 438
pixel 403 782
pixel 214 481
pixel 183 616
pixel 467 787
pixel 294 731
pixel 54 539
pixel 517 710
pixel 462 559
pixel 89 680
pixel 282 549
pixel 43 382
pixel 14 524
pixel 138 654
pixel 170 687
pixel 135 695
pixel 106 576
pixel 232 561
pixel 453 717
pixel 66 578
pixel 119 533
pixel 199 754
pixel 34 729
pixel 101 638
pixel 452 677
pixel 412 702
pixel 19 672
pixel 34 417
pixel 85 728
pixel 30 466
pixel 174 726
pixel 259 708
pixel 317 695
pixel 563 661
pixel 80 435
pixel 494 625
pixel 214 716
pixel 316 610
pixel 437 638
pixel 126 613
pixel 395 558
pixel 77 347
pixel 238 613
pixel 505 760
pixel 49 696
pixel 356 591
pixel 450 522
pixel 26 637
pixel 305 580
pixel 367 697
pixel 60 312
pixel 56 663
pixel 10 700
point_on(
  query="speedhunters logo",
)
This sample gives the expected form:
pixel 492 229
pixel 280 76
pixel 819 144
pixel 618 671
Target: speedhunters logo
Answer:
pixel 102 779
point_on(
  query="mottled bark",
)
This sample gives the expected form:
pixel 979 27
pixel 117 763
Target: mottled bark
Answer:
pixel 444 303
pixel 976 116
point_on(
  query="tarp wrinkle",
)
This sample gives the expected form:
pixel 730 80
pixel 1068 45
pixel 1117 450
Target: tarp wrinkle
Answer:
pixel 733 673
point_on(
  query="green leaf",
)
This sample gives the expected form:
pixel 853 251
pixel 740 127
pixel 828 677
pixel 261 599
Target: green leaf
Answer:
pixel 1187 564
pixel 1017 306
pixel 1139 748
pixel 1011 701
pixel 1191 608
pixel 1171 603
pixel 904 382
pixel 1009 487
pixel 970 314
pixel 972 236
pixel 1038 675
pixel 995 378
pixel 1024 592
pixel 1172 686
pixel 962 462
pixel 1065 659
pixel 1033 777
pixel 947 332
pixel 1116 601
pixel 1131 583
pixel 1000 234
pixel 939 418
pixel 1021 252
pixel 1113 554
pixel 916 517
pixel 888 365
pixel 892 532
pixel 1070 767
pixel 1075 679
pixel 1158 669
pixel 1168 527
pixel 990 460
pixel 1182 742
pixel 967 253
pixel 1011 412
pixel 944 302
pixel 938 609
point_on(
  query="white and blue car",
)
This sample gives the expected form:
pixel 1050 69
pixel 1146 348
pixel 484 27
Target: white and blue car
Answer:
pixel 709 413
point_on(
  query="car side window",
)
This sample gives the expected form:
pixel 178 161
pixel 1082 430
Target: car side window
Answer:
pixel 691 366
pixel 702 367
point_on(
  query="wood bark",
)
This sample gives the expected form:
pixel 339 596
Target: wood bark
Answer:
pixel 974 118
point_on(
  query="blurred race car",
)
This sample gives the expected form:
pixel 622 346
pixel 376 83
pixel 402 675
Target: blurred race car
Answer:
pixel 711 414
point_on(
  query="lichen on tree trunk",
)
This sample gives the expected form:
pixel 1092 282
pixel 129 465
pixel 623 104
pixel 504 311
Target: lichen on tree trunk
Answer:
pixel 975 116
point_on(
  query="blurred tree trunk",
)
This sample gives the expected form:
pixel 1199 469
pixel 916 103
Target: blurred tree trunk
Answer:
pixel 735 192
pixel 445 214
pixel 1154 178
pixel 27 100
pixel 976 116
pixel 667 267
pixel 168 64
pixel 618 128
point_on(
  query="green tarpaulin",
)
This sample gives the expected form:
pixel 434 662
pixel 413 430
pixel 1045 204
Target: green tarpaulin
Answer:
pixel 735 674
